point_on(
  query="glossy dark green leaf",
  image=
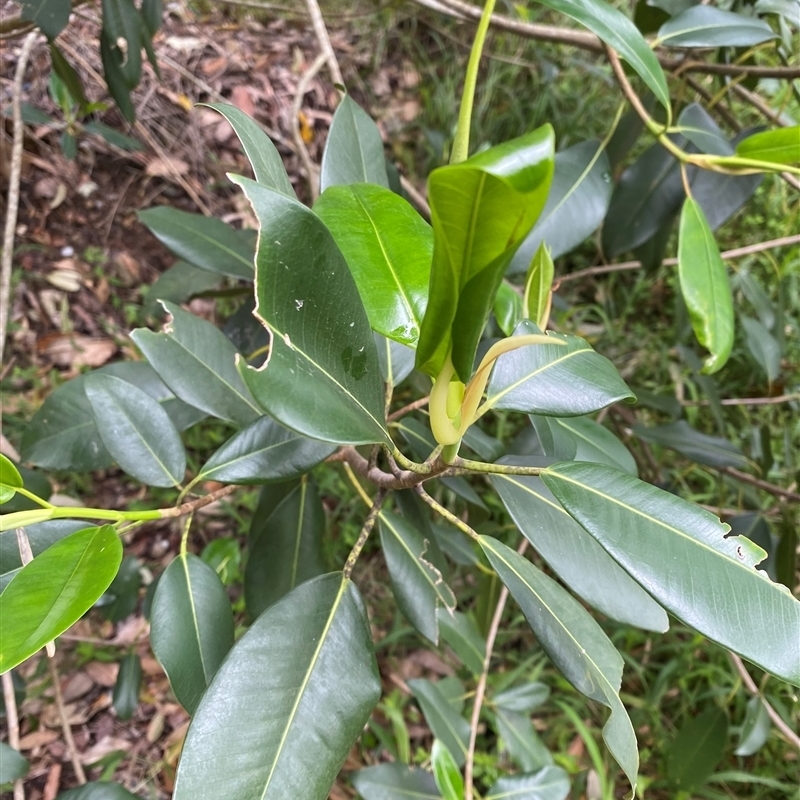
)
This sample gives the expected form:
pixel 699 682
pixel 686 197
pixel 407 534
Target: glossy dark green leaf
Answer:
pixel 577 203
pixel 101 790
pixel 395 782
pixel 708 26
pixel 205 242
pixel 763 346
pixel 178 284
pixel 704 286
pixel 51 16
pixel 486 447
pixel 755 728
pixel 113 136
pixel 388 247
pixel 521 740
pixel 549 783
pixel 778 146
pixel 574 555
pixel 697 749
pixel 191 627
pixel 322 378
pixel 507 308
pixel 418 585
pixel 443 720
pixel 263 452
pixel 481 209
pixel 113 59
pixel 136 431
pixel 617 30
pixel 460 633
pixel 62 434
pixel 152 12
pixel 125 698
pixel 681 556
pixel 198 363
pixel 10 479
pixel 264 157
pixel 70 78
pixel 13 765
pixel 446 773
pixel 354 150
pixel 122 596
pixel 574 641
pixel 568 379
pixel 396 360
pixel 55 590
pixel 284 709
pixel 681 436
pixel 582 439
pixel 287 550
pixel 522 699
pixel 648 194
pixel 720 195
pixel 697 125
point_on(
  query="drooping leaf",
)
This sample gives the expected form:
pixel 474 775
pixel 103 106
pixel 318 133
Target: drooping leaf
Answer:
pixel 322 378
pixel 681 436
pixel 55 590
pixel 617 30
pixel 191 627
pixel 198 363
pixel 521 740
pixel 123 28
pixel 549 783
pixel 136 431
pixel 461 634
pixel 708 26
pixel 763 346
pixel 270 733
pixel 481 209
pixel 287 549
pixel 755 728
pixel 13 765
pixel 125 698
pixel 696 750
pixel 522 699
pixel 264 157
pixel 665 544
pixel 112 59
pixel 577 203
pixel 152 12
pixel 418 585
pixel 388 247
pixel 705 286
pixel 395 782
pixel 205 242
pixel 575 643
pixel 446 773
pixel 507 308
pixel 574 555
pixel 69 77
pixel 443 720
pixel 778 146
pixel 354 150
pixel 264 452
pixel 100 790
pixel 559 380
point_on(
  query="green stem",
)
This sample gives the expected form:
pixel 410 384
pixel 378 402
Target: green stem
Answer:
pixel 461 142
pixel 36 499
pixel 448 515
pixel 496 469
pixel 20 519
pixel 408 464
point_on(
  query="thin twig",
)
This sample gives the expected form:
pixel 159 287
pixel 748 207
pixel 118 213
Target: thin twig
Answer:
pixel 65 726
pixel 300 145
pixel 751 687
pixel 12 206
pixel 324 40
pixel 448 515
pixel 12 719
pixel 192 505
pixel 401 412
pixel 480 690
pixel 745 401
pixel 366 529
pixel 766 486
pixel 417 197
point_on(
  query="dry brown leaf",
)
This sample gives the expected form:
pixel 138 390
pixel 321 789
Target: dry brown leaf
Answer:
pixel 38 738
pixel 53 782
pixel 106 746
pixel 68 280
pixel 77 685
pixel 243 100
pixel 74 350
pixel 166 167
pixel 103 673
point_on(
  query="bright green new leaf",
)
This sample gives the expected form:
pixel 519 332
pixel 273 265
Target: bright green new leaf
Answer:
pixel 388 247
pixel 507 308
pixel 521 741
pixel 395 782
pixel 198 363
pixel 481 210
pixel 55 590
pixel 682 437
pixel 10 479
pixel 705 286
pixel 574 555
pixel 101 790
pixel 286 706
pixel 680 554
pixel 287 549
pixel 125 698
pixel 556 380
pixel 460 633
pixel 696 750
pixel 418 585
pixel 322 378
pixel 446 773
pixel 264 157
pixel 136 431
pixel 778 146
pixel 354 150
pixel 538 287
pixel 264 452
pixel 191 627
pixel 574 641
pixel 13 765
pixel 445 722
pixel 549 783
pixel 576 205
pixel 205 242
pixel 708 26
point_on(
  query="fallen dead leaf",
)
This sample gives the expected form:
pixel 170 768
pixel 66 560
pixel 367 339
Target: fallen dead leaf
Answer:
pixel 68 280
pixel 103 673
pixel 243 100
pixel 53 782
pixel 166 167
pixel 77 685
pixel 75 350
pixel 38 738
pixel 106 746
